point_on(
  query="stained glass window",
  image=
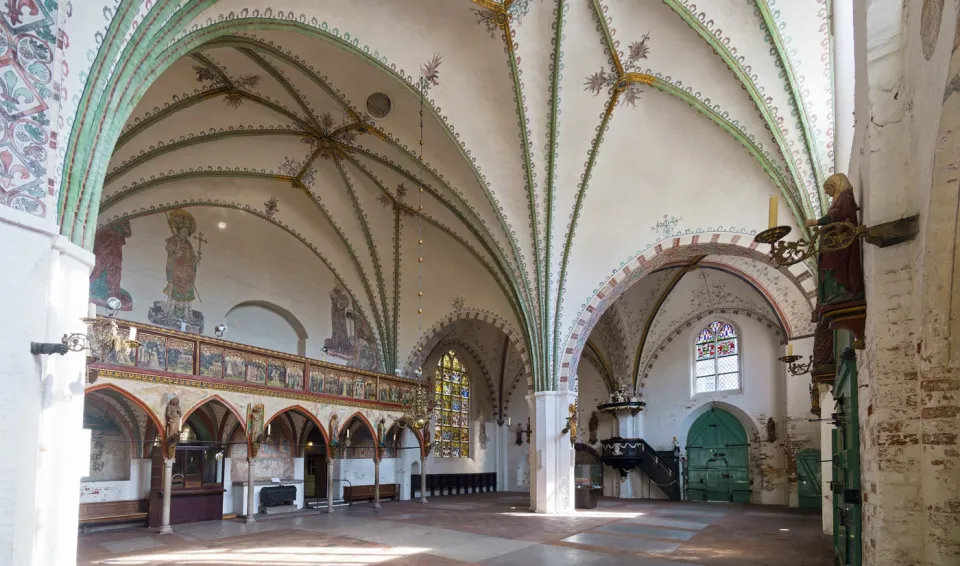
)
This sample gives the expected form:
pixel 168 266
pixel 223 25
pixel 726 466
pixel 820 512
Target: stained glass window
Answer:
pixel 717 359
pixel 452 400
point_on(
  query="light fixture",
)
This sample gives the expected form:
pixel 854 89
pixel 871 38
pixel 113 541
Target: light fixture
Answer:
pixel 222 225
pixel 521 431
pixel 102 339
pixel 827 238
pixel 417 413
pixel 310 444
pixel 793 366
pixel 220 330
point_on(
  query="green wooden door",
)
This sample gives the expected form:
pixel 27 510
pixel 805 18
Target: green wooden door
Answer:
pixel 808 476
pixel 846 464
pixel 718 462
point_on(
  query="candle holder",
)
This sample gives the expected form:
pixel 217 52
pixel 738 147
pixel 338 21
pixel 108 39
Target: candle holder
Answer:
pixel 828 238
pixel 797 368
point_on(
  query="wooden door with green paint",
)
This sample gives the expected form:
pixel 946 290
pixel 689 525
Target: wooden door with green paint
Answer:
pixel 718 459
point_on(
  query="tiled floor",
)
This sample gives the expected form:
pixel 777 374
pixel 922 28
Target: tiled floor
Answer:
pixel 489 529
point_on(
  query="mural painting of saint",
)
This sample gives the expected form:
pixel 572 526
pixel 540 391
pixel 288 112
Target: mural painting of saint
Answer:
pixel 105 277
pixel 351 337
pixel 181 273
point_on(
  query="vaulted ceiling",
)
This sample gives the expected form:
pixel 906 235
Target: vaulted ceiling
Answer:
pixel 562 139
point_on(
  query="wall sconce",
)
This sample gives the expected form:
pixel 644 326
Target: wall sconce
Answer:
pixel 521 432
pixel 220 330
pixel 829 238
pixel 797 368
pixel 102 339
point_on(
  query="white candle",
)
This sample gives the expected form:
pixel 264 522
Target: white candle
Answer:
pixel 91 310
pixel 789 349
pixel 133 333
pixel 773 211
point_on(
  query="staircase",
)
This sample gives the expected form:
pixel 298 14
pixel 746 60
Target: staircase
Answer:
pixel 663 468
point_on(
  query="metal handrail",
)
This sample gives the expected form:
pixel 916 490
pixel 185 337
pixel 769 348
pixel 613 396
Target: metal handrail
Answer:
pixel 351 488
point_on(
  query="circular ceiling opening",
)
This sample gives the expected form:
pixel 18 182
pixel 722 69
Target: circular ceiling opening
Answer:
pixel 378 105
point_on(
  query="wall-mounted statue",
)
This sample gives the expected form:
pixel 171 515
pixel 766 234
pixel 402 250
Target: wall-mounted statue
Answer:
pixel 771 430
pixel 334 430
pixel 841 271
pixel 105 277
pixel 255 427
pixel 176 311
pixel 174 424
pixel 594 424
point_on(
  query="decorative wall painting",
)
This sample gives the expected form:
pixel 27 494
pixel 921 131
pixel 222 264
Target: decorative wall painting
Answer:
pixel 370 390
pixel 384 395
pixel 211 361
pixel 276 374
pixel 294 375
pixel 256 369
pixel 105 277
pixel 346 387
pixel 331 385
pixel 316 380
pixel 177 311
pixel 234 365
pixel 122 358
pixel 358 388
pixel 351 339
pixel 152 352
pixel 179 356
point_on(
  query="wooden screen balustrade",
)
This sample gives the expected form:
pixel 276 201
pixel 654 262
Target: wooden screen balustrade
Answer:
pixel 180 358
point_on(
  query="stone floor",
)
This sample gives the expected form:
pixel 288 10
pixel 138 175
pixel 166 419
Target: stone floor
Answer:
pixel 489 529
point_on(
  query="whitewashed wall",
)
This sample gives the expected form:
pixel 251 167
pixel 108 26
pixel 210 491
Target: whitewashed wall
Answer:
pixel 136 487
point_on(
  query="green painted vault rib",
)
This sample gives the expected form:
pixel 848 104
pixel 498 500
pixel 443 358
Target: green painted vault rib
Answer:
pixel 287 86
pixel 773 34
pixel 243 208
pixel 772 124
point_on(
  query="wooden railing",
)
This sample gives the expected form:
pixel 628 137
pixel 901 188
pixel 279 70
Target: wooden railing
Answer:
pixel 172 356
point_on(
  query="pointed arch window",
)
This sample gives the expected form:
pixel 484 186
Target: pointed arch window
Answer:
pixel 452 397
pixel 717 355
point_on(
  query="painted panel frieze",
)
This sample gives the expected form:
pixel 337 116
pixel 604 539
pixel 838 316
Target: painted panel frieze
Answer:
pixel 234 365
pixel 256 369
pixel 152 352
pixel 176 311
pixel 294 375
pixel 370 390
pixel 179 356
pixel 211 361
pixel 351 341
pixel 317 384
pixel 276 373
pixel 105 277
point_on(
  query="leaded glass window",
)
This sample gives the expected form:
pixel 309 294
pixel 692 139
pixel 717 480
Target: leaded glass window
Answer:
pixel 452 408
pixel 717 359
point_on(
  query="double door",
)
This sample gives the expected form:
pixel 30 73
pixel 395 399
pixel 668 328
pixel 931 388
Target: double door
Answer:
pixel 718 459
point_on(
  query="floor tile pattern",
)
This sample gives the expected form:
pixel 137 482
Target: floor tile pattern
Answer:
pixel 493 529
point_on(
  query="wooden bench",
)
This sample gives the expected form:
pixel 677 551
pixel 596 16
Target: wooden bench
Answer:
pixel 365 492
pixel 112 513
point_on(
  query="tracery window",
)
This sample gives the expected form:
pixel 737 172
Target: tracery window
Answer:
pixel 717 355
pixel 452 397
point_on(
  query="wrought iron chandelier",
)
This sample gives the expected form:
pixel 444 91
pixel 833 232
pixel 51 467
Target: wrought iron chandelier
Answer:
pixel 102 338
pixel 418 412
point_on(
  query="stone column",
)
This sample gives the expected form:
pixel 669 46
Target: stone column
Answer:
pixel 629 426
pixel 551 470
pixel 329 485
pixel 423 478
pixel 251 492
pixel 376 483
pixel 167 488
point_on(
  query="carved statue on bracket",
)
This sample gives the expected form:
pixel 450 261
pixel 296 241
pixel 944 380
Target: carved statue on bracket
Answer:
pixel 771 430
pixel 254 427
pixel 174 417
pixel 840 277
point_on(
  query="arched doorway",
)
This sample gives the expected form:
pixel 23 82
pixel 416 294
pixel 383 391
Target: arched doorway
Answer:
pixel 718 459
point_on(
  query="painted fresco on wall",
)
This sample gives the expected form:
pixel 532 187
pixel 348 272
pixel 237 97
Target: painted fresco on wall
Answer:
pixel 370 390
pixel 276 374
pixel 316 380
pixel 331 385
pixel 351 339
pixel 179 356
pixel 234 365
pixel 294 375
pixel 384 395
pixel 257 369
pixel 358 388
pixel 211 361
pixel 105 277
pixel 152 353
pixel 177 310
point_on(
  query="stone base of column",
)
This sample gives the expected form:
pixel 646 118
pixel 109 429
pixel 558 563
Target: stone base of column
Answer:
pixel 250 519
pixel 165 530
pixel 552 453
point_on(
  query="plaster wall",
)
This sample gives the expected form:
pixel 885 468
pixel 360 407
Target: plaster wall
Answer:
pixel 136 487
pixel 518 457
pixel 265 328
pixel 672 407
